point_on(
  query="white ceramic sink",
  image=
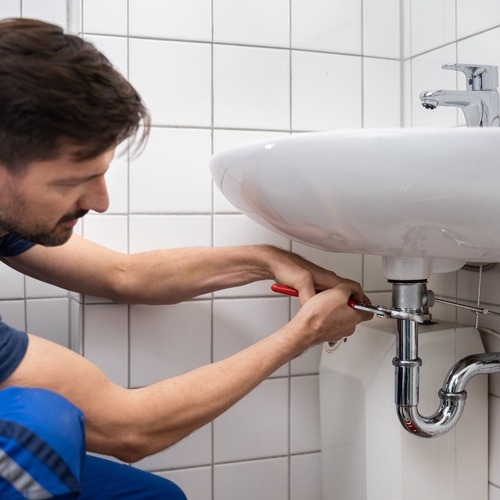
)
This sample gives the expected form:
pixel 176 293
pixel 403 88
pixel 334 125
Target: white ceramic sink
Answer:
pixel 427 200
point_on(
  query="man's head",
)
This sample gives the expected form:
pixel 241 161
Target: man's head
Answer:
pixel 60 98
pixel 57 88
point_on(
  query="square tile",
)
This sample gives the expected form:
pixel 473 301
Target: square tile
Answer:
pixel 263 436
pixel 52 11
pixel 13 312
pixel 431 31
pixel 108 17
pixel 177 91
pixel 320 98
pixel 494 439
pixel 252 22
pixel 171 174
pixel 475 17
pixel 381 93
pixel 327 25
pixel 381 28
pixel 10 8
pixel 196 483
pixel 110 231
pixel 105 332
pixel 168 340
pixel 239 323
pixel 49 318
pixel 151 232
pixel 13 283
pixel 305 477
pixel 262 479
pixel 251 88
pixel 175 19
pixel 305 419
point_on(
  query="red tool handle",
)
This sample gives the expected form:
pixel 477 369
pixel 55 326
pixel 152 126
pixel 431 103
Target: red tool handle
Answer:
pixel 288 290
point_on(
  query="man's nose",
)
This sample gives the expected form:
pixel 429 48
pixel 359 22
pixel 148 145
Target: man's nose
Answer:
pixel 96 197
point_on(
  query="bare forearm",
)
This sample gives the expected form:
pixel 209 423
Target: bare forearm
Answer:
pixel 174 275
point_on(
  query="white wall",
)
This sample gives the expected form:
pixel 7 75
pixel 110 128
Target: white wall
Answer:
pixel 216 73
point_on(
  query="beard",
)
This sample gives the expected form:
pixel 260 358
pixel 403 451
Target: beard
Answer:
pixel 39 233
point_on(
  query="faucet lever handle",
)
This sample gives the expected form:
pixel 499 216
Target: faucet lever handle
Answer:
pixel 478 76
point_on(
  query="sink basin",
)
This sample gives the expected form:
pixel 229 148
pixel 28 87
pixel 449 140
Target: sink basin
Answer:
pixel 427 200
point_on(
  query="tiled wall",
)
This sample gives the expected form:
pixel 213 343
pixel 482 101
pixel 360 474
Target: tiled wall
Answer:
pixel 216 73
pixel 438 33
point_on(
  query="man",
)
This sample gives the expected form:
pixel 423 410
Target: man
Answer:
pixel 63 110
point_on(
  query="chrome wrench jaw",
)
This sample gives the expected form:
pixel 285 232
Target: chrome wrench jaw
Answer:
pixel 386 312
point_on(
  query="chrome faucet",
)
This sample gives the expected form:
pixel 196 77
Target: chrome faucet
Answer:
pixel 479 102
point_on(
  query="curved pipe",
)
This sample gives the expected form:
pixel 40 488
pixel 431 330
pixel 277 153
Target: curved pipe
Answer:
pixel 452 395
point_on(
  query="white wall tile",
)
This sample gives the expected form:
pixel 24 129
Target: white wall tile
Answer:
pixel 175 19
pixel 12 312
pixel 14 280
pixel 381 28
pixel 251 87
pixel 168 340
pixel 49 318
pixel 327 25
pixel 106 339
pixel 262 479
pixel 321 99
pixel 109 17
pixel 10 8
pixel 52 11
pixel 432 24
pixel 252 22
pixel 491 342
pixel 473 17
pixel 239 323
pixel 304 415
pixel 192 451
pixel 110 231
pixel 196 483
pixel 479 49
pixel 151 232
pixel 494 438
pixel 381 93
pixel 255 427
pixel 117 181
pixel 171 175
pixel 305 477
pixel 177 91
pixel 38 289
pixel 493 492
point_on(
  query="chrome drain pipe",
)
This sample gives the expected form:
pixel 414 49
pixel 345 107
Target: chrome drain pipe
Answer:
pixel 411 297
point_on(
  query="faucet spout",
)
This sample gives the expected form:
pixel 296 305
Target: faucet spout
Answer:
pixel 480 108
pixel 479 102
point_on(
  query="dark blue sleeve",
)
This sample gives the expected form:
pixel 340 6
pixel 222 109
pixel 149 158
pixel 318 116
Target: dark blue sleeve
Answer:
pixel 12 244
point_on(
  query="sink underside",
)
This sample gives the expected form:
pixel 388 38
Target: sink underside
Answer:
pixel 406 194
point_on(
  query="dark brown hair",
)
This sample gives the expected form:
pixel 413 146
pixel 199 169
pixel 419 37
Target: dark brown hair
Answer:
pixel 58 89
